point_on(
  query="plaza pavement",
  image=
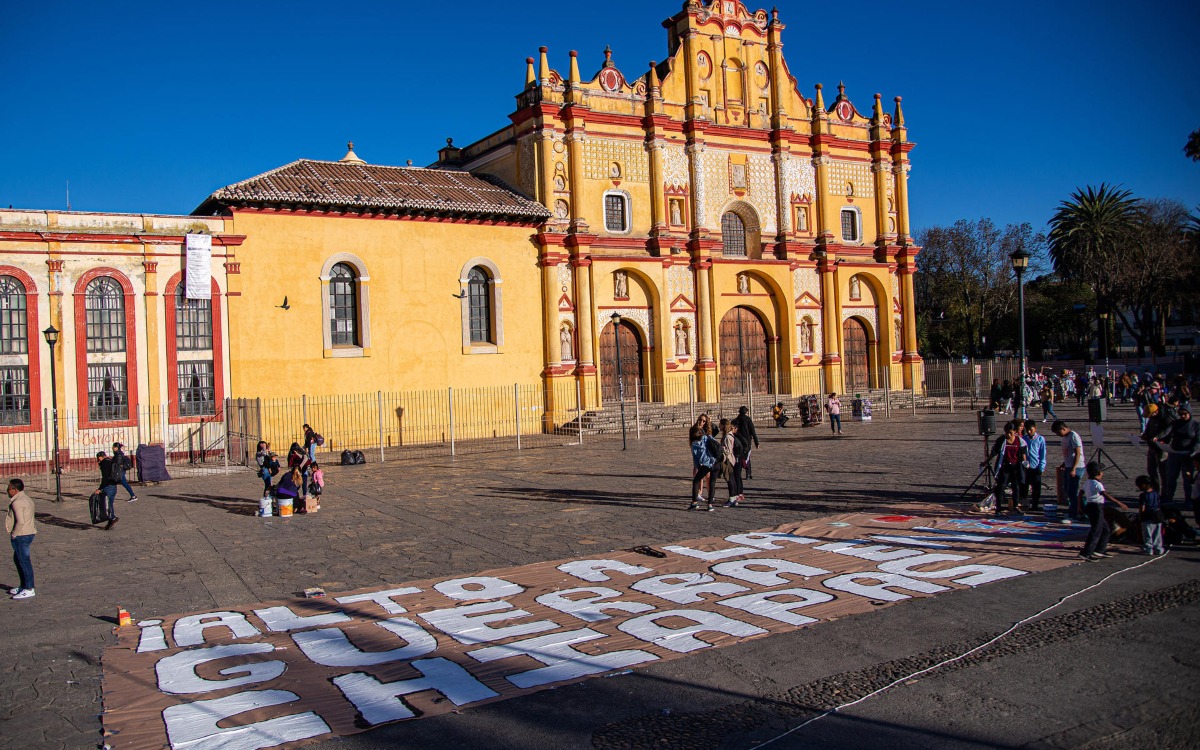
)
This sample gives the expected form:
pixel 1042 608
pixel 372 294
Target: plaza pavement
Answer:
pixel 1114 667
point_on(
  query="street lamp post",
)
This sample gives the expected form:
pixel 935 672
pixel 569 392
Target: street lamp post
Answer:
pixel 616 322
pixel 51 335
pixel 1104 339
pixel 1020 262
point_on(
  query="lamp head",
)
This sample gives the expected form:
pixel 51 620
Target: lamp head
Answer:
pixel 616 319
pixel 51 335
pixel 1020 260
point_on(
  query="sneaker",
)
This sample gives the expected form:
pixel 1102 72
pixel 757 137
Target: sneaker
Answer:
pixel 14 592
pixel 111 523
pixel 1089 558
pixel 1066 522
pixel 24 594
pixel 132 499
pixel 710 508
pixel 1101 554
pixel 694 506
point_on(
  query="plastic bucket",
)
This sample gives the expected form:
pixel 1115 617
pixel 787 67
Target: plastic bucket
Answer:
pixel 1050 509
pixel 285 507
pixel 264 507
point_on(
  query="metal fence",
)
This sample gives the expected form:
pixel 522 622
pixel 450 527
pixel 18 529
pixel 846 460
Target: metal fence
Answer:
pixel 392 426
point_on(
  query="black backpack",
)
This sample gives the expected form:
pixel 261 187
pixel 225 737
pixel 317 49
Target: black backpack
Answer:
pixel 716 449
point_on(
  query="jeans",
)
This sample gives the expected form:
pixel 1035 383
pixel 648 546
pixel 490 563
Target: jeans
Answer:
pixel 110 492
pixel 265 474
pixel 125 484
pixel 1008 476
pixel 1176 465
pixel 1152 539
pixel 1071 482
pixel 20 545
pixel 1048 410
pixel 835 422
pixel 1097 540
pixel 1032 487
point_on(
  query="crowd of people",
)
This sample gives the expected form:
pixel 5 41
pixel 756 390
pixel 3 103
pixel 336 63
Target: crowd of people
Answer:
pixel 301 485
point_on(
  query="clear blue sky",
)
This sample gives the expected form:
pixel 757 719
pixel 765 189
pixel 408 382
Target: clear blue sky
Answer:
pixel 150 106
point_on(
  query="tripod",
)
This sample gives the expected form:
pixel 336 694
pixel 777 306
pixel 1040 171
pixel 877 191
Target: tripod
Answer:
pixel 1111 462
pixel 985 472
pixel 1098 442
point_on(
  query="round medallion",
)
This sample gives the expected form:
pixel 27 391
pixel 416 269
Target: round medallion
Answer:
pixel 703 66
pixel 610 79
pixel 760 75
pixel 845 111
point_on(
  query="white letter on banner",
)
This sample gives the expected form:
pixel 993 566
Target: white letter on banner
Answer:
pixel 590 570
pixel 764 605
pixel 741 570
pixel 872 552
pixel 488 588
pixel 282 619
pixel 687 588
pixel 189 631
pixel 720 554
pixel 177 672
pixel 382 598
pixel 152 637
pixel 330 647
pixel 562 661
pixel 680 640
pixel 982 573
pixel 765 540
pixel 590 608
pixel 193 726
pixel 849 584
pixel 468 625
pixel 379 702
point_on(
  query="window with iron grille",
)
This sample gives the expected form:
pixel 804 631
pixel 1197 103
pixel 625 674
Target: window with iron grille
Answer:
pixel 108 393
pixel 343 306
pixel 615 214
pixel 733 234
pixel 849 225
pixel 14 396
pixel 14 326
pixel 104 303
pixel 195 383
pixel 193 323
pixel 479 300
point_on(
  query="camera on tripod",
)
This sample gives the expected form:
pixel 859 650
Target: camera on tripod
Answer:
pixel 987 422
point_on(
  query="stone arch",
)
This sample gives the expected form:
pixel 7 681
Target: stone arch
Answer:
pixel 646 315
pixel 495 286
pixel 752 223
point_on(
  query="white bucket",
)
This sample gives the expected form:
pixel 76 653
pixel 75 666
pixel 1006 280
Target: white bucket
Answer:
pixel 285 507
pixel 264 507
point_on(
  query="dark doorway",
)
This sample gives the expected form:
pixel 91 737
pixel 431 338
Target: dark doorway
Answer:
pixel 632 372
pixel 856 360
pixel 744 352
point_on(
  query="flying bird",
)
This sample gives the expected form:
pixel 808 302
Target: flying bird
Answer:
pixel 461 295
pixel 285 304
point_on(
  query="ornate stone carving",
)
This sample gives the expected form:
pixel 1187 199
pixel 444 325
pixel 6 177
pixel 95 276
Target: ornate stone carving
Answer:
pixel 566 343
pixel 601 155
pixel 806 280
pixel 680 282
pixel 762 191
pixel 528 165
pixel 853 172
pixel 696 154
pixel 641 316
pixel 866 313
pixel 620 285
pixel 675 167
pixel 683 326
pixel 743 283
pixel 565 277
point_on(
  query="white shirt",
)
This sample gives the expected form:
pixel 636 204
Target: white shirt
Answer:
pixel 1093 491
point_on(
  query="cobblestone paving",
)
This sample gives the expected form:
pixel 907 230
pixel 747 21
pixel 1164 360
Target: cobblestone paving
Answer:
pixel 195 544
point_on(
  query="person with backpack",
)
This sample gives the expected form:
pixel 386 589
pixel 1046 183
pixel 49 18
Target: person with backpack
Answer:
pixel 745 435
pixel 298 460
pixel 108 487
pixel 312 441
pixel 733 478
pixel 268 465
pixel 707 456
pixel 122 464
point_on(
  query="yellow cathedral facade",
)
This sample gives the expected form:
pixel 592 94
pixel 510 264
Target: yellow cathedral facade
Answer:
pixel 700 225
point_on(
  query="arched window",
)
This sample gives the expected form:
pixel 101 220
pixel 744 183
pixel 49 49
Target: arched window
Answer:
pixel 194 371
pixel 14 339
pixel 479 301
pixel 733 234
pixel 616 212
pixel 851 225
pixel 104 306
pixel 343 306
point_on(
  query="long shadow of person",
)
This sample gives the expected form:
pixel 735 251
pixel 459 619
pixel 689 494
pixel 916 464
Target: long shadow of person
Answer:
pixel 64 523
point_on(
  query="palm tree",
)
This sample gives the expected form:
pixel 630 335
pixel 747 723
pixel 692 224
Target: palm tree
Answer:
pixel 1191 149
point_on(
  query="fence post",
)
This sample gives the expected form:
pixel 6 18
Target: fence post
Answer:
pixel 637 405
pixel 304 409
pixel 950 378
pixel 750 393
pixel 579 409
pixel 450 391
pixel 692 396
pixel 517 413
pixel 225 452
pixel 379 396
pixel 914 394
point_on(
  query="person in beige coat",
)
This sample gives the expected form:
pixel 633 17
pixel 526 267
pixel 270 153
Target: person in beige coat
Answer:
pixel 18 521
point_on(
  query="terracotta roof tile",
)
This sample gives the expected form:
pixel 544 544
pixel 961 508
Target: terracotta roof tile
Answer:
pixel 414 190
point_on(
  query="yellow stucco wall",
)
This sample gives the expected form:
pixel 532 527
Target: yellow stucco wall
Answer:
pixel 415 322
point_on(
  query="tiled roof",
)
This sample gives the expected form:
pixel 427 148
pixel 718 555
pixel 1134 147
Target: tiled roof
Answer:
pixel 403 190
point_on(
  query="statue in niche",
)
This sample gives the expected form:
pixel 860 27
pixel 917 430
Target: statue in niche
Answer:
pixel 899 336
pixel 855 288
pixel 559 183
pixel 561 209
pixel 806 336
pixel 620 285
pixel 681 340
pixel 568 344
pixel 676 213
pixel 737 176
pixel 743 283
pixel 614 170
pixel 802 219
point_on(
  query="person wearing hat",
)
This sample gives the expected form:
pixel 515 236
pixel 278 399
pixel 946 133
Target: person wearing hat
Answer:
pixel 1158 427
pixel 122 464
pixel 108 486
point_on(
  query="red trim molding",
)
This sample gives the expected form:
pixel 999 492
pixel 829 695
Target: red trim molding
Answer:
pixel 218 350
pixel 33 343
pixel 81 361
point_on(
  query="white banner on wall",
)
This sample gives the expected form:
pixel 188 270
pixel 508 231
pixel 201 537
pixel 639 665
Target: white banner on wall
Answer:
pixel 199 267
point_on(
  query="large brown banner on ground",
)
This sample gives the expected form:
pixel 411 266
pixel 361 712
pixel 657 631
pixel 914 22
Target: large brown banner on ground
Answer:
pixel 280 674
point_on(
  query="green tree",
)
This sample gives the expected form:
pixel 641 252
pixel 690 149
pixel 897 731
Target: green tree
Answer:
pixel 1191 149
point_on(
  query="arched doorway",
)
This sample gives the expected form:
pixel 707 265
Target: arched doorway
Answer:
pixel 632 372
pixel 745 356
pixel 856 363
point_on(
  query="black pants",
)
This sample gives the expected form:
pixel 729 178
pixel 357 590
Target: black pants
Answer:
pixel 1032 487
pixel 698 482
pixel 1009 476
pixel 1097 540
pixel 734 480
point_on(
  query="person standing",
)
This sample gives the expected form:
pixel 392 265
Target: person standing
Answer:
pixel 1035 465
pixel 19 522
pixel 266 462
pixel 108 487
pixel 745 435
pixel 122 464
pixel 833 405
pixel 1184 442
pixel 1009 458
pixel 733 477
pixel 704 462
pixel 1072 468
pixel 1047 396
pixel 1157 430
pixel 1151 515
pixel 1094 496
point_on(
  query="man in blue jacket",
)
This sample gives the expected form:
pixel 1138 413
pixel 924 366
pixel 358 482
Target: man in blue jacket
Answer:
pixel 1035 464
